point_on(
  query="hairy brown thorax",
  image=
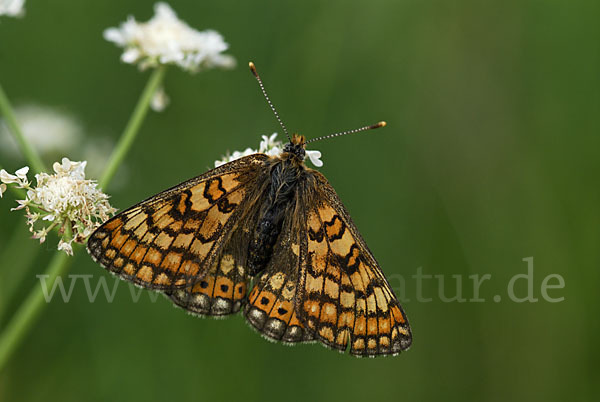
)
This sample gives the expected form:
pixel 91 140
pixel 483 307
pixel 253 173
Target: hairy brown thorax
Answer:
pixel 285 174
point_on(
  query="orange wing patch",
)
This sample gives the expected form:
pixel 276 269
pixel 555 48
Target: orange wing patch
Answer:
pixel 173 238
pixel 271 309
pixel 345 297
pixel 220 292
pixel 160 256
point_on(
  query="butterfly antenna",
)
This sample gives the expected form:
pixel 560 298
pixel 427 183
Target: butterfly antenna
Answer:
pixel 262 88
pixel 356 130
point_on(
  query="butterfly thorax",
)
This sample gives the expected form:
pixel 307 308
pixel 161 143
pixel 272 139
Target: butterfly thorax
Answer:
pixel 286 172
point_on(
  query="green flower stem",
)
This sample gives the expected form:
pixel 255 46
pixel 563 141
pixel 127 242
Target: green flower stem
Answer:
pixel 30 309
pixel 133 126
pixel 16 265
pixel 25 316
pixel 11 121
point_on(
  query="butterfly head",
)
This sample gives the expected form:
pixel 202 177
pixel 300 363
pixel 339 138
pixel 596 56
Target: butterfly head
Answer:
pixel 296 146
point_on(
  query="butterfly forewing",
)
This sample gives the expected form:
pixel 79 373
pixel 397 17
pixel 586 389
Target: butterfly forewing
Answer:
pixel 343 296
pixel 173 238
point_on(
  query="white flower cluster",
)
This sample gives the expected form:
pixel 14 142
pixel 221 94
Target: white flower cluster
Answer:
pixel 166 39
pixel 269 146
pixel 65 199
pixel 12 8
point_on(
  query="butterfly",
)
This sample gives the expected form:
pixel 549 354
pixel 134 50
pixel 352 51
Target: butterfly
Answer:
pixel 270 222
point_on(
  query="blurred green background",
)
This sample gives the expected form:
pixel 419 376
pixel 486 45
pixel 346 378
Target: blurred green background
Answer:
pixel 490 156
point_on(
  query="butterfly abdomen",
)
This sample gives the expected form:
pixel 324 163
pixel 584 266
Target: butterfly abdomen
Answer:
pixel 280 193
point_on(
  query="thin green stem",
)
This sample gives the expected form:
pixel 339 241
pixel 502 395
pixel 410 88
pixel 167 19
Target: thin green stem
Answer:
pixel 16 263
pixel 133 126
pixel 30 309
pixel 11 121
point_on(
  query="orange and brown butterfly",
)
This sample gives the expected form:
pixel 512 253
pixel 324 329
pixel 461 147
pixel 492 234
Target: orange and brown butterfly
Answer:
pixel 272 221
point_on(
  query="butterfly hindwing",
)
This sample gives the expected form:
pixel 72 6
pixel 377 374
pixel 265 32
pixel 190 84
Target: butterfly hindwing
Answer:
pixel 343 296
pixel 271 307
pixel 220 292
pixel 173 238
pixel 224 287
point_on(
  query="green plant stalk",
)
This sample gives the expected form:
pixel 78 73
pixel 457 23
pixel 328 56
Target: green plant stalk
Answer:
pixel 133 126
pixel 11 121
pixel 16 265
pixel 30 309
pixel 25 316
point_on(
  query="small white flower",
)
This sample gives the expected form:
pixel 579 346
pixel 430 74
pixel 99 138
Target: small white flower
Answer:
pixel 32 218
pixel 274 151
pixel 22 204
pixel 40 235
pixel 19 178
pixel 2 189
pixel 315 158
pixel 268 143
pixel 222 161
pixel 160 100
pixel 74 169
pixel 65 199
pixel 12 8
pixel 235 155
pixel 50 131
pixel 8 178
pixel 246 152
pixel 269 146
pixel 65 246
pixel 166 39
pixel 22 173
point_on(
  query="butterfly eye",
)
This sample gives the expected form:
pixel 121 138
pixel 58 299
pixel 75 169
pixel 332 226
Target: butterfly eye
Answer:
pixel 294 149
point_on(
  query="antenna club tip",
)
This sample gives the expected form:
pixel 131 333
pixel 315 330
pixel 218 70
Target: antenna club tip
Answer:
pixel 252 68
pixel 377 125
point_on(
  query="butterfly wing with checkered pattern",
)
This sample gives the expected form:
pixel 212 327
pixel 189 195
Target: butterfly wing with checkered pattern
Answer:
pixel 343 296
pixel 176 237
